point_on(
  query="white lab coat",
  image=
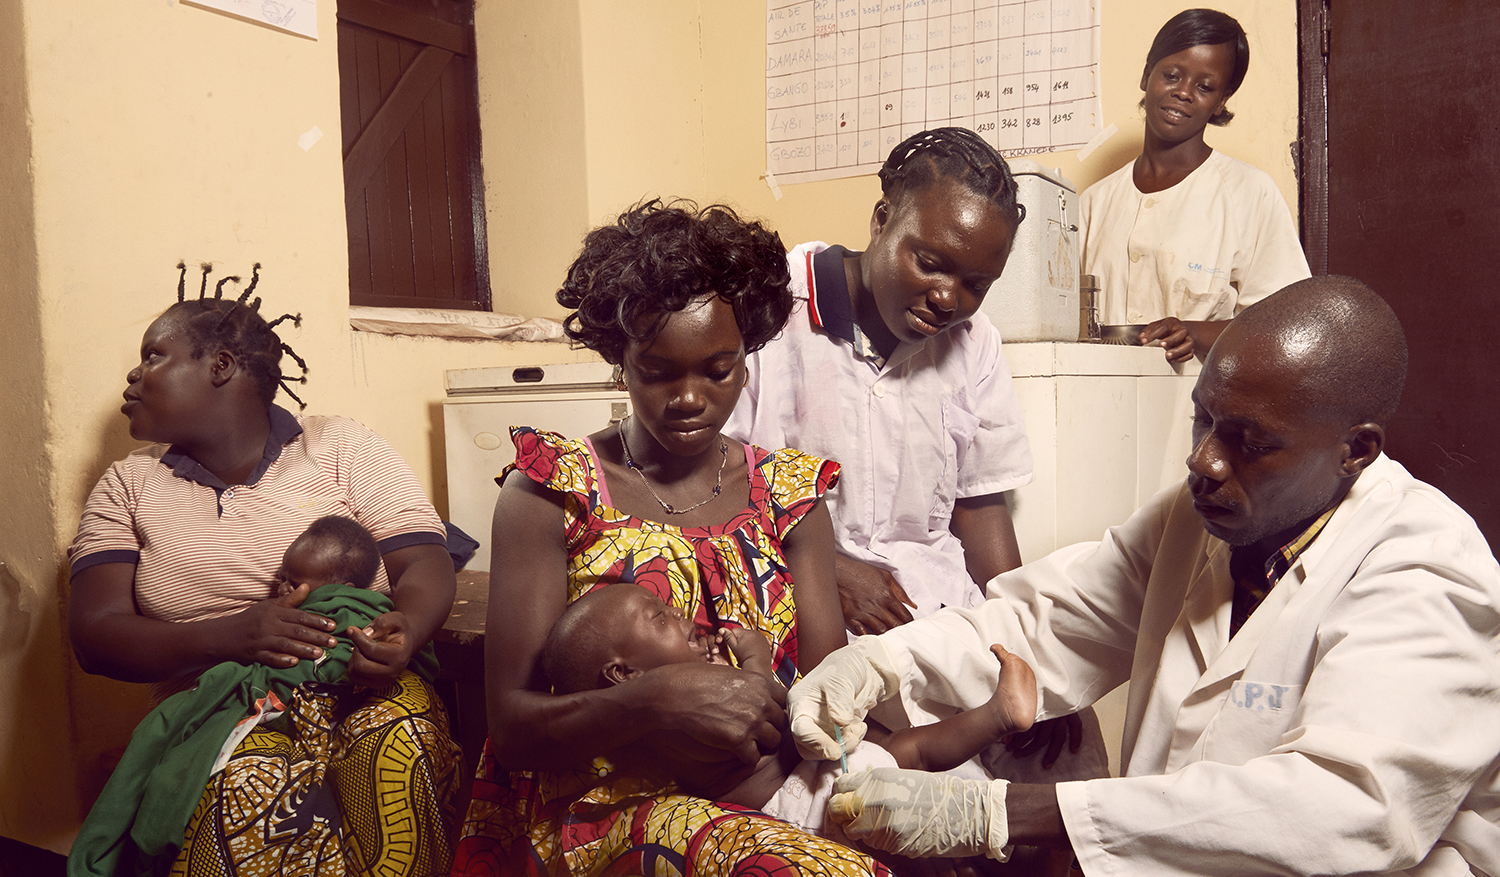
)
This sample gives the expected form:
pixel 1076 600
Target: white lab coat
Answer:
pixel 1352 726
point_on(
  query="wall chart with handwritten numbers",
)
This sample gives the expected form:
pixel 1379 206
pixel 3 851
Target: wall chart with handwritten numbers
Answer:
pixel 846 80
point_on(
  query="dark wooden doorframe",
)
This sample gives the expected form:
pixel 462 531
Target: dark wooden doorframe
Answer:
pixel 1399 178
pixel 1312 141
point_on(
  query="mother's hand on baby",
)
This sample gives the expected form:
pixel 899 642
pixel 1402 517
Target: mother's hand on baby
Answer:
pixel 719 707
pixel 381 650
pixel 275 632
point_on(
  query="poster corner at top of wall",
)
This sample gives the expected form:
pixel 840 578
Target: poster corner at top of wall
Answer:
pixel 846 80
pixel 298 17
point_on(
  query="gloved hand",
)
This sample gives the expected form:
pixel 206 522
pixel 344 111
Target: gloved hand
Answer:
pixel 919 814
pixel 838 693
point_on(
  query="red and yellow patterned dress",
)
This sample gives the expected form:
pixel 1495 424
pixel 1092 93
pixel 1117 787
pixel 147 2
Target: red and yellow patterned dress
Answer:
pixel 594 820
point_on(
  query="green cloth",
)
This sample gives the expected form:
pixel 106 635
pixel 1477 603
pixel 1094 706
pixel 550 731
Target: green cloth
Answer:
pixel 141 817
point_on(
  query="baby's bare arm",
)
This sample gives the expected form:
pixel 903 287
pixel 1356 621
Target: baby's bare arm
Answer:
pixel 753 652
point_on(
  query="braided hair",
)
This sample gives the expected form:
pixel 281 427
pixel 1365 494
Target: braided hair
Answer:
pixel 951 154
pixel 218 323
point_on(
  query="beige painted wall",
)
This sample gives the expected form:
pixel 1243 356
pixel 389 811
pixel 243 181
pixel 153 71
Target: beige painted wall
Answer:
pixel 33 712
pixel 674 105
pixel 531 103
pixel 159 131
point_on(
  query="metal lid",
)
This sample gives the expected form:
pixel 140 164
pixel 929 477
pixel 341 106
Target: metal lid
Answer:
pixel 1024 167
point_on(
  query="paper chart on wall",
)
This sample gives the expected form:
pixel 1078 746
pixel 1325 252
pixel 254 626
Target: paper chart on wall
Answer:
pixel 846 80
pixel 296 16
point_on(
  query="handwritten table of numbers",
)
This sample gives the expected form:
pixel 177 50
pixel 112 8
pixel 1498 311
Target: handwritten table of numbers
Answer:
pixel 846 80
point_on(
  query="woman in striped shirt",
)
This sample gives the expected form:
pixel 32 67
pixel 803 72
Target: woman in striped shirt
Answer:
pixel 174 571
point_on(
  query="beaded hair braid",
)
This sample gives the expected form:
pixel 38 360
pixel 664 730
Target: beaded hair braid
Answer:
pixel 238 327
pixel 950 153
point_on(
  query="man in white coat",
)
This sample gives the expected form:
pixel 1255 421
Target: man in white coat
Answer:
pixel 1311 636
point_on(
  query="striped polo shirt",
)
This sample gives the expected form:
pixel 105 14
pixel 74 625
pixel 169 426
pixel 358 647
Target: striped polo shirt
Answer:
pixel 203 549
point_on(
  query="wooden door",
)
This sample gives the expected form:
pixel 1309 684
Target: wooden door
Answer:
pixel 412 184
pixel 1407 198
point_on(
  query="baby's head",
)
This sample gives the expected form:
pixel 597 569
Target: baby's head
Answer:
pixel 332 550
pixel 615 633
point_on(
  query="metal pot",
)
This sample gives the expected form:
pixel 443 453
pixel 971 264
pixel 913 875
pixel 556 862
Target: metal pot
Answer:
pixel 1129 333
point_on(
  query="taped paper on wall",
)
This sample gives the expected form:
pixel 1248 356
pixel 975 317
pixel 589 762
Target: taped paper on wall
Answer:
pixel 1109 131
pixel 846 80
pixel 293 16
pixel 771 184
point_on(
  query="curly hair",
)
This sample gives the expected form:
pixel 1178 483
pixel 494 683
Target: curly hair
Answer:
pixel 951 154
pixel 219 323
pixel 1202 27
pixel 658 257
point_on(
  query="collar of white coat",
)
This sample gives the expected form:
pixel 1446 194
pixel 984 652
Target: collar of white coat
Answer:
pixel 1328 564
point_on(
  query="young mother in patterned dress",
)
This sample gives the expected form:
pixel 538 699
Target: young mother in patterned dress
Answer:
pixel 730 534
pixel 174 570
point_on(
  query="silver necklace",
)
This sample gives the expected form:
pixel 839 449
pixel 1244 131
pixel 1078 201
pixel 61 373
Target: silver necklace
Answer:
pixel 666 506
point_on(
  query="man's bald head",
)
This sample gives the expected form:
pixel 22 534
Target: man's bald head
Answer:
pixel 1334 332
pixel 1290 409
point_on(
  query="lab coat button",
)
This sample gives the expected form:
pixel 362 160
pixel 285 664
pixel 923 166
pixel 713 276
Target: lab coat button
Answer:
pixel 1150 202
pixel 1135 257
pixel 879 391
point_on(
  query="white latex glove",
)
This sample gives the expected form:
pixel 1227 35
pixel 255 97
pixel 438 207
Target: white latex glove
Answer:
pixel 838 693
pixel 920 815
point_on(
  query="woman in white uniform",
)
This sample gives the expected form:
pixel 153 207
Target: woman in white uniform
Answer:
pixel 1184 238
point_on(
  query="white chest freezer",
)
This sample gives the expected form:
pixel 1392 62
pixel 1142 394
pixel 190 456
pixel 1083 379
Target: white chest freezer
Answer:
pixel 574 399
